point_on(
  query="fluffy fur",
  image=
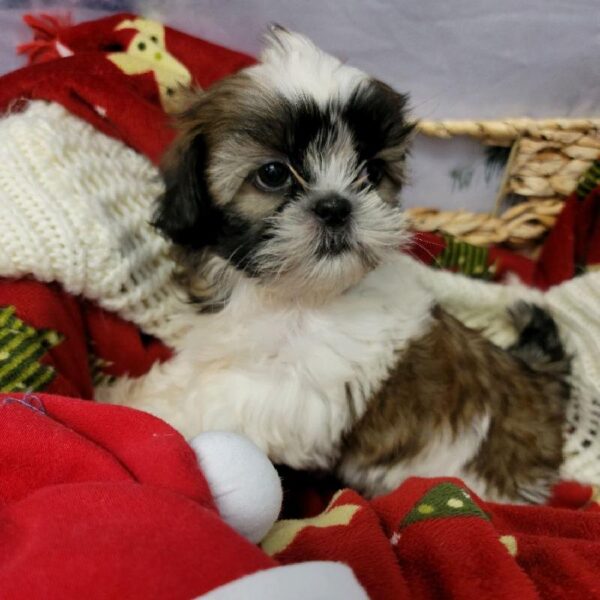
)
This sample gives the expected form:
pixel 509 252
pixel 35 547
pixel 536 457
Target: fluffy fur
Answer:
pixel 498 419
pixel 315 335
pixel 281 374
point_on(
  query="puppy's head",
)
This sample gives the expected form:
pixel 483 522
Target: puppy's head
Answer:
pixel 289 172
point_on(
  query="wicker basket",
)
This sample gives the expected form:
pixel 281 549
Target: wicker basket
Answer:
pixel 546 162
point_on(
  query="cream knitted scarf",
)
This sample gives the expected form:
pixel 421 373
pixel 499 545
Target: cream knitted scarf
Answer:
pixel 75 206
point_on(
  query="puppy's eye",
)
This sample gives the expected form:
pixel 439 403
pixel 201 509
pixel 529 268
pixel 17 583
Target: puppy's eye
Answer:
pixel 272 177
pixel 371 173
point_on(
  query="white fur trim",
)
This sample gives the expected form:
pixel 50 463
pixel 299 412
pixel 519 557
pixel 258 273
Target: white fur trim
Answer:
pixel 317 580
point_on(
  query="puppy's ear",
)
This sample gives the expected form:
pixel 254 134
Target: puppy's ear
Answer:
pixel 185 212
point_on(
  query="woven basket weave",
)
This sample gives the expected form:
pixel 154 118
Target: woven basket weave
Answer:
pixel 546 162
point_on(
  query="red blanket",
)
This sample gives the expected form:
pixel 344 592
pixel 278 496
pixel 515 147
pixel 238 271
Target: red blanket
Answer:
pixel 98 501
pixel 104 501
pixel 107 502
pixel 435 539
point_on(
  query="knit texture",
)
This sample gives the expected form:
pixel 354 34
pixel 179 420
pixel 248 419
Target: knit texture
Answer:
pixel 575 306
pixel 75 207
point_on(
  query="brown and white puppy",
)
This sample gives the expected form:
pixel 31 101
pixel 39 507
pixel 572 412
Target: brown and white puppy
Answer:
pixel 314 335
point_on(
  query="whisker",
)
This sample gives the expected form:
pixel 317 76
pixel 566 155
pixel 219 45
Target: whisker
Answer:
pixel 233 253
pixel 426 250
pixel 298 177
pixel 359 182
pixel 434 243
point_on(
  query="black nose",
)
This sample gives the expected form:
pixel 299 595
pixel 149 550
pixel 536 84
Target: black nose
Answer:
pixel 333 210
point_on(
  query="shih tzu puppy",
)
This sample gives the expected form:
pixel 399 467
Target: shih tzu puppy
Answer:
pixel 313 334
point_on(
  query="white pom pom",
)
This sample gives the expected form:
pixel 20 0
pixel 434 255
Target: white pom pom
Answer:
pixel 243 482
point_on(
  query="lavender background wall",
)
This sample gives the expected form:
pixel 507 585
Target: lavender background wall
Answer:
pixel 459 59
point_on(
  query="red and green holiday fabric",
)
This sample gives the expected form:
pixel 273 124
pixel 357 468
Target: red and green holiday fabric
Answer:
pixel 118 73
pixel 117 495
pixel 492 264
pixel 434 538
pixel 21 347
pixel 50 340
pixel 571 248
pixel 443 500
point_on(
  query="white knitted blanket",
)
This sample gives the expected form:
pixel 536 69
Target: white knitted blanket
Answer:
pixel 75 206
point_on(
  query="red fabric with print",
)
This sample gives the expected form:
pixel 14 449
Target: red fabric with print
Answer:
pixel 100 501
pixel 86 331
pixel 434 538
pixel 104 501
pixel 94 88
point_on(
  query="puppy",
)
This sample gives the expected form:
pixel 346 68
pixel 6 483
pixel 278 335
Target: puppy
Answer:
pixel 314 335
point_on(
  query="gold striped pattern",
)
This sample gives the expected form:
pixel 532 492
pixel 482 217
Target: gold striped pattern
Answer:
pixel 97 366
pixel 589 180
pixel 464 258
pixel 21 347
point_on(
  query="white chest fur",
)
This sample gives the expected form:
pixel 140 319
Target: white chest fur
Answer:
pixel 281 375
